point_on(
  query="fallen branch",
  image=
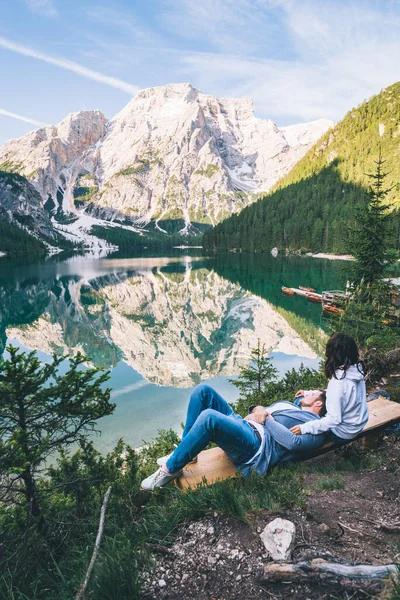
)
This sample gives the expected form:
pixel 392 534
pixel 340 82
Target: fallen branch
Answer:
pixel 82 588
pixel 319 568
pixel 159 548
pixel 349 528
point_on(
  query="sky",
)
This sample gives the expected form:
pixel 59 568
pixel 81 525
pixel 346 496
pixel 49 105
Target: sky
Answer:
pixel 298 60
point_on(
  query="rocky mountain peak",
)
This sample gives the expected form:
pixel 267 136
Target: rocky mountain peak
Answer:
pixel 83 127
pixel 172 154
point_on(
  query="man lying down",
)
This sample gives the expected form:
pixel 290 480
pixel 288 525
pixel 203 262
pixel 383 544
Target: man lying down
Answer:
pixel 256 442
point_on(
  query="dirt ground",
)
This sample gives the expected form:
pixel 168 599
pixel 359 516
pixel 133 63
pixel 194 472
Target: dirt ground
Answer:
pixel 220 558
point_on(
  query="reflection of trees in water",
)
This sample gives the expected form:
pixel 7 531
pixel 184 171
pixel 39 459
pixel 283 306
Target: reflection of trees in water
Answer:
pixel 21 305
pixel 264 275
pixel 176 325
pixel 52 307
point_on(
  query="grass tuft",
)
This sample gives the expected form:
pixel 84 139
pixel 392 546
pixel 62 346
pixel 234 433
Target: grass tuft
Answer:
pixel 330 483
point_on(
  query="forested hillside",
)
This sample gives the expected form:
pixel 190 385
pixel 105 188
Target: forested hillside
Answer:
pixel 310 208
pixel 15 241
pixel 23 221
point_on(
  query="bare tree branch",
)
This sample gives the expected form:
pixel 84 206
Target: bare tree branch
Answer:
pixel 82 589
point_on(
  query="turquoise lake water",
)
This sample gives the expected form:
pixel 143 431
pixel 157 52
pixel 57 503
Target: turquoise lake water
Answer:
pixel 164 324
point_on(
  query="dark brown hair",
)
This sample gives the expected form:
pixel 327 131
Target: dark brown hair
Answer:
pixel 322 397
pixel 341 352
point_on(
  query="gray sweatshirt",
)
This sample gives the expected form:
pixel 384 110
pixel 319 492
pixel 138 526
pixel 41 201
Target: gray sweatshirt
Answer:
pixel 346 405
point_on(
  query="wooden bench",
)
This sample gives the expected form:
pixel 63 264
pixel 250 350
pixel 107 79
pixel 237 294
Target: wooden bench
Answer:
pixel 214 465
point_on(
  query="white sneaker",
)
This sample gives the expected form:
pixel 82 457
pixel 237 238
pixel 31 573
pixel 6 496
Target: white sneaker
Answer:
pixel 159 479
pixel 163 460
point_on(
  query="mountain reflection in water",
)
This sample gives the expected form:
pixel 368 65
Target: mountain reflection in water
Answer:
pixel 177 324
pixel 173 322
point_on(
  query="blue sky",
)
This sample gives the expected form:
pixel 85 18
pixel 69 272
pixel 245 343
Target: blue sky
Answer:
pixel 297 59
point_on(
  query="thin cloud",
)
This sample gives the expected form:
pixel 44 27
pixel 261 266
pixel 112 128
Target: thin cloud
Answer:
pixel 7 113
pixel 42 7
pixel 340 54
pixel 64 63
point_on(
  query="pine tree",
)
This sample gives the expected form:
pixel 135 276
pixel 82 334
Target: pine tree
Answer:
pixel 368 238
pixel 42 411
pixel 253 378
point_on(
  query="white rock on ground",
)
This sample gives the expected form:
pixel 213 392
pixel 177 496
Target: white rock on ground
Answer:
pixel 278 538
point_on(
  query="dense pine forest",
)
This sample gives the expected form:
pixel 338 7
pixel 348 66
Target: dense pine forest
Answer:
pixel 15 241
pixel 312 207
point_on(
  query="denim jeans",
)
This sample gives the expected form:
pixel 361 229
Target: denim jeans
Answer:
pixel 211 419
pixel 332 437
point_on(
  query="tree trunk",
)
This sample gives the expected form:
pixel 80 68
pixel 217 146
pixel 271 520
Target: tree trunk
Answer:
pixel 318 568
pixel 31 495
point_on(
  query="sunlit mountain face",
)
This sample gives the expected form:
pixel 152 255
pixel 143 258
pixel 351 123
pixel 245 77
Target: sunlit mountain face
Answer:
pixel 175 323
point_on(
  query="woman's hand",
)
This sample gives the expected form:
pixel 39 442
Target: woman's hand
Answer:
pixel 296 430
pixel 299 393
pixel 258 417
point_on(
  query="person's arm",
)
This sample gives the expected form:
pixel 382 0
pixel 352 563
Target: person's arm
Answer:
pixel 305 393
pixel 257 414
pixel 334 410
pixel 289 440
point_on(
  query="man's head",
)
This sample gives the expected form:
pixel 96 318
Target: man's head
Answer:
pixel 315 403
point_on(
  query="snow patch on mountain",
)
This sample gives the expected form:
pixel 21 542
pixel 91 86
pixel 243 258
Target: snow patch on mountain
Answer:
pixel 172 154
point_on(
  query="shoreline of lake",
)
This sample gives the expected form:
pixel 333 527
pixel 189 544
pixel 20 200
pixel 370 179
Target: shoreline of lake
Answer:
pixel 331 256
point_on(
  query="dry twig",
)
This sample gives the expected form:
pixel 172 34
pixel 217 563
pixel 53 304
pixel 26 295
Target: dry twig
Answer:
pixel 82 588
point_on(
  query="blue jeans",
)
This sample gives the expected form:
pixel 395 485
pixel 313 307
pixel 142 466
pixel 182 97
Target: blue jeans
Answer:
pixel 332 437
pixel 211 419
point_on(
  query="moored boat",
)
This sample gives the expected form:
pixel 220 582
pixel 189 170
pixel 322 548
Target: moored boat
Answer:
pixel 287 291
pixel 313 297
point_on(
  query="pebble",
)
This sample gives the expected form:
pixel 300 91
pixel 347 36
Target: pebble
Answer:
pixel 162 583
pixel 185 576
pixel 238 578
pixel 324 528
pixel 211 530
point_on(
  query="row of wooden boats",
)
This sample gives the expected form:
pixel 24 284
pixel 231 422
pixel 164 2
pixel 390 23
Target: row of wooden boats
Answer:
pixel 333 302
pixel 329 301
pixel 308 293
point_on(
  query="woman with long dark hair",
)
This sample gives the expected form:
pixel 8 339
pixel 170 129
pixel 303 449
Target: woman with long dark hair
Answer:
pixel 346 400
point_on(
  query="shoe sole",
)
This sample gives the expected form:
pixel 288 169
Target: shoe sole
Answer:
pixel 162 486
pixel 193 461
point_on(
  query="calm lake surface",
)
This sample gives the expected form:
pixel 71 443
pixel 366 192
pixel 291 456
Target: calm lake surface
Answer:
pixel 163 325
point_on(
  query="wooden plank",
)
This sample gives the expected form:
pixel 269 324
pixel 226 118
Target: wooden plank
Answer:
pixel 381 412
pixel 213 465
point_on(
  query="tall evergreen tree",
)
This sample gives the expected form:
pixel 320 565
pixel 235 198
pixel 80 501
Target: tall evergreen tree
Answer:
pixel 368 237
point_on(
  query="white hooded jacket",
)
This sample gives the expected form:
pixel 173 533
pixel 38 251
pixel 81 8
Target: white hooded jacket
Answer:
pixel 346 405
